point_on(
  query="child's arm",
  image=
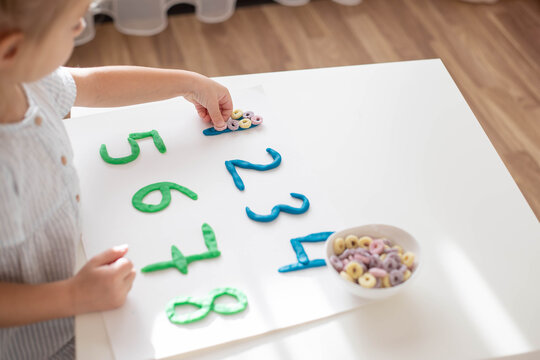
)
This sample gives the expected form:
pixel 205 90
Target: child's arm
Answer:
pixel 102 284
pixel 126 85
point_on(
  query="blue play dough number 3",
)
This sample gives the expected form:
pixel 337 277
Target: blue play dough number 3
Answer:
pixel 276 210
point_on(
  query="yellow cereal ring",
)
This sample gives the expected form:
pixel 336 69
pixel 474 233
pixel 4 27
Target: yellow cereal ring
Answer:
pixel 386 281
pixel 339 246
pixel 244 123
pixel 365 241
pixel 351 241
pixel 367 280
pixel 383 256
pixel 406 275
pixel 399 249
pixel 408 259
pixel 354 270
pixel 386 247
pixel 237 114
pixel 346 276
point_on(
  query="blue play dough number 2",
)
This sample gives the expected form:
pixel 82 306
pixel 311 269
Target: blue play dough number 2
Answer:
pixel 231 166
pixel 303 260
pixel 280 208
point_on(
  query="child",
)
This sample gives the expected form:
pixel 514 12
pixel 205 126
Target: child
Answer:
pixel 39 194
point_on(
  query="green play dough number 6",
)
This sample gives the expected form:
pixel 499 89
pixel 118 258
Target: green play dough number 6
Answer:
pixel 165 188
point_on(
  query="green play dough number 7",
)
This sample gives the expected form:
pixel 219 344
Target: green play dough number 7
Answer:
pixel 135 149
pixel 181 262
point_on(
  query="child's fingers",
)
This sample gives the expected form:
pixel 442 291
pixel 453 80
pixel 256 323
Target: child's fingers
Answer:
pixel 109 256
pixel 226 105
pixel 203 113
pixel 215 115
pixel 130 277
pixel 122 266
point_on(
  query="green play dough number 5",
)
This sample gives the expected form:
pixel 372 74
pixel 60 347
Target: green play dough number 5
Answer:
pixel 135 149
pixel 165 189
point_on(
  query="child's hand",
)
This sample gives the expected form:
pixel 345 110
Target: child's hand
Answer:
pixel 103 283
pixel 212 101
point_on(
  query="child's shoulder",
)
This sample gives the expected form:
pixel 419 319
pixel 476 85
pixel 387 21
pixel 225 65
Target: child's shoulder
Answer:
pixel 55 92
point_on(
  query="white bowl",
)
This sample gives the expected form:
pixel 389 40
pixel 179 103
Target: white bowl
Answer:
pixel 397 236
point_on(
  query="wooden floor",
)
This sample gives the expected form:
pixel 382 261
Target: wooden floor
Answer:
pixel 492 52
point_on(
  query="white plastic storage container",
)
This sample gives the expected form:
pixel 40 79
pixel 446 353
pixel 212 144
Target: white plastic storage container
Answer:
pixel 149 17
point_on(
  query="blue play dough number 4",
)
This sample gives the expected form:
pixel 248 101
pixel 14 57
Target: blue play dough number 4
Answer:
pixel 303 260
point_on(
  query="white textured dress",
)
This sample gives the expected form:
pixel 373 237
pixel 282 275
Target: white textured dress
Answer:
pixel 39 211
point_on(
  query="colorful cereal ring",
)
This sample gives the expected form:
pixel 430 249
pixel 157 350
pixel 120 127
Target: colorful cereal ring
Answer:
pixel 376 247
pixel 367 280
pixel 396 277
pixel 256 120
pixel 237 114
pixel 339 246
pixel 232 124
pixel 248 114
pixel 336 263
pixel 245 123
pixel 378 272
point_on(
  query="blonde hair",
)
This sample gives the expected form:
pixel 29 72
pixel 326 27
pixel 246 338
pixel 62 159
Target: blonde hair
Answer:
pixel 32 17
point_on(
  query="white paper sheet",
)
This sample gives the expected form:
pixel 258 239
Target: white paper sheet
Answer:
pixel 252 252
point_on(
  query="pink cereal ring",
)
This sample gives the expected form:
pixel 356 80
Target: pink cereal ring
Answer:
pixel 378 272
pixel 256 119
pixel 232 124
pixel 376 247
pixel 363 258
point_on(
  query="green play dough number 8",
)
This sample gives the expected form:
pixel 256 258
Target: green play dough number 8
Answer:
pixel 165 189
pixel 205 305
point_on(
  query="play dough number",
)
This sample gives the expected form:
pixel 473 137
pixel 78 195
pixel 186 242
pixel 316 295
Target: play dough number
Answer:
pixel 181 262
pixel 231 166
pixel 303 261
pixel 205 305
pixel 165 188
pixel 280 208
pixel 135 149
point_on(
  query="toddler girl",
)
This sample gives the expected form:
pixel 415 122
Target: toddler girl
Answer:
pixel 39 193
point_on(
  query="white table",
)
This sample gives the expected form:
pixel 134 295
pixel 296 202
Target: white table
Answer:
pixel 486 310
